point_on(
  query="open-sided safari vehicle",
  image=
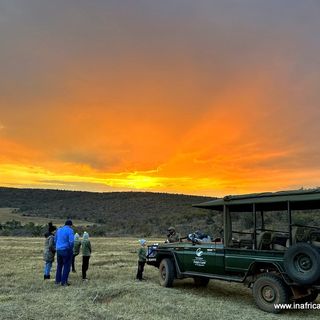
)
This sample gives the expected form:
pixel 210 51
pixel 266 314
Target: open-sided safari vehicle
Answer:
pixel 270 242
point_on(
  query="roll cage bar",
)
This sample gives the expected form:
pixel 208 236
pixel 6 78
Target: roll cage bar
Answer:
pixel 260 203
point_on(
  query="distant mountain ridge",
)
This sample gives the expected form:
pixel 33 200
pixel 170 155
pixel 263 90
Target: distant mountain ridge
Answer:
pixel 130 213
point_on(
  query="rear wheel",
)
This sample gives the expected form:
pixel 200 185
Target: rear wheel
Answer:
pixel 166 273
pixel 269 290
pixel 201 281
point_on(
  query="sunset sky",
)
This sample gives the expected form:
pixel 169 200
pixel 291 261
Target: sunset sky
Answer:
pixel 207 97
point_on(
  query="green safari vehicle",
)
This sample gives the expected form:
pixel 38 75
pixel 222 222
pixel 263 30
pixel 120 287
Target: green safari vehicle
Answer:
pixel 270 242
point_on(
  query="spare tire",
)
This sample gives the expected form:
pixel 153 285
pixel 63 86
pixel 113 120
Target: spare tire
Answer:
pixel 302 263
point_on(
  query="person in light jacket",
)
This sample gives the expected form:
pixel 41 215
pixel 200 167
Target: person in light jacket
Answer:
pixel 86 253
pixel 49 250
pixel 76 250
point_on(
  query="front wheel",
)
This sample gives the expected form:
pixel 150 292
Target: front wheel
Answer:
pixel 166 273
pixel 268 291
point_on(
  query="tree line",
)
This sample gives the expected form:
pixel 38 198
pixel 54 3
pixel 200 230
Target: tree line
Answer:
pixel 108 214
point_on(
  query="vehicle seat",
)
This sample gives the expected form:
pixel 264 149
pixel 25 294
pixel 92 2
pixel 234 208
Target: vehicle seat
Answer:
pixel 298 234
pixel 264 240
pixel 315 238
pixel 246 243
pixel 278 242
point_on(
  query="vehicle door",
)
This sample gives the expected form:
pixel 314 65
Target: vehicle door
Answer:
pixel 204 258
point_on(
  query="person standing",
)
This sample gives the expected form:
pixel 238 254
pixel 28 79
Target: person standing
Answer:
pixel 86 253
pixel 49 250
pixel 76 250
pixel 51 228
pixel 142 257
pixel 64 245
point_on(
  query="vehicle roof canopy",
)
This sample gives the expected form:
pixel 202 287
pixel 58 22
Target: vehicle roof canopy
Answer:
pixel 267 201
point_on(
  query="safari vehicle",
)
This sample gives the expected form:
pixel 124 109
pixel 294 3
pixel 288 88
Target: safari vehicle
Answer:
pixel 270 243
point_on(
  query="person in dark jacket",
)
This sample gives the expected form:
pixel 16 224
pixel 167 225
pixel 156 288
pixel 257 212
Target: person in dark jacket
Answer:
pixel 86 253
pixel 172 235
pixel 49 250
pixel 64 239
pixel 142 257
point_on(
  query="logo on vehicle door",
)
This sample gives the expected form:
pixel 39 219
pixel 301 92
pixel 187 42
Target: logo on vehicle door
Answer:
pixel 199 261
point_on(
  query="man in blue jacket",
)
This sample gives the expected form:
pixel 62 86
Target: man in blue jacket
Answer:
pixel 64 239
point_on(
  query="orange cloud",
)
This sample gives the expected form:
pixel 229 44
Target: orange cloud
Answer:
pixel 230 148
pixel 210 99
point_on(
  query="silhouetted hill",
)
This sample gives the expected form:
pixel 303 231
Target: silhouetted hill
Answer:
pixel 131 213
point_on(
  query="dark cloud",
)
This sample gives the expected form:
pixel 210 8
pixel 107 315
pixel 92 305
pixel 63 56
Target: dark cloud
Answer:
pixel 184 49
pixel 95 159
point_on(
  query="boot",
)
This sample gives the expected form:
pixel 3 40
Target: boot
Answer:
pixel 45 277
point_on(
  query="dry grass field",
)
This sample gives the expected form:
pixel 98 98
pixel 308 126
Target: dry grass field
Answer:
pixel 112 292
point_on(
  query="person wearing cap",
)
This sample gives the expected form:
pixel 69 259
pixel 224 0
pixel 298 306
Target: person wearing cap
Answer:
pixel 49 250
pixel 86 253
pixel 142 257
pixel 76 250
pixel 64 245
pixel 172 235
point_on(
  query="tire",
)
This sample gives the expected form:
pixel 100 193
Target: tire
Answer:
pixel 302 263
pixel 201 281
pixel 166 273
pixel 269 290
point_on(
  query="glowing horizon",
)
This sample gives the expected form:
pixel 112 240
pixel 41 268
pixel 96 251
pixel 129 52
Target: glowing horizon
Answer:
pixel 180 97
